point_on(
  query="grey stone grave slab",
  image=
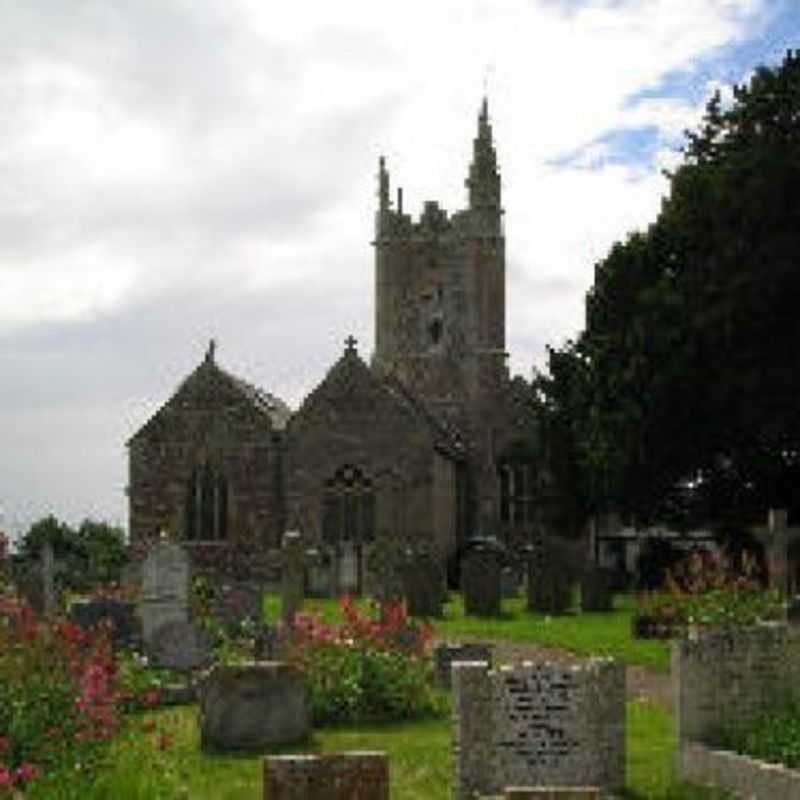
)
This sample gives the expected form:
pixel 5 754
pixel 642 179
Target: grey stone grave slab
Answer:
pixel 181 646
pixel 250 708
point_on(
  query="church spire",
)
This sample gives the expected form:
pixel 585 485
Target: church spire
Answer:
pixel 484 178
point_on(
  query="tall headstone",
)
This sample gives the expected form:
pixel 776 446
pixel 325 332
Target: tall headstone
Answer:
pixel 480 579
pixel 777 549
pixel 166 573
pixel 424 584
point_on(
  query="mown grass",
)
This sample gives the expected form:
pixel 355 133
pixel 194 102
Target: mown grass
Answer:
pixel 585 634
pixel 420 761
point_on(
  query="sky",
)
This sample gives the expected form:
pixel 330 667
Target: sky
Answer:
pixel 177 170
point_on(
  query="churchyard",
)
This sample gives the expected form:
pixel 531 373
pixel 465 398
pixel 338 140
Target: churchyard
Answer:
pixel 209 694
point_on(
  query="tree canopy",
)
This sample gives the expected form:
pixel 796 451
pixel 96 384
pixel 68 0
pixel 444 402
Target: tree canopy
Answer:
pixel 680 397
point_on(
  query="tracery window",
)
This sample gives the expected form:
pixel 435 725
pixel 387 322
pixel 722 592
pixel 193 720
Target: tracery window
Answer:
pixel 207 504
pixel 348 507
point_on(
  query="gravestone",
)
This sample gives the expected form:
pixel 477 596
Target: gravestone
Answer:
pixel 88 615
pixel 385 560
pixel 348 568
pixel 293 560
pixel 480 578
pixel 509 582
pixel 596 589
pixel 423 580
pixel 165 588
pixel 250 708
pixel 330 776
pixel 181 646
pixel 552 572
pixel 445 655
pixel 538 724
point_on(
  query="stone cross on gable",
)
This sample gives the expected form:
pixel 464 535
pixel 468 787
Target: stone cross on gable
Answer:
pixel 350 344
pixel 293 560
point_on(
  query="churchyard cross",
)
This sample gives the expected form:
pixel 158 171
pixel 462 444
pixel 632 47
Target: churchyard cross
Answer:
pixel 293 559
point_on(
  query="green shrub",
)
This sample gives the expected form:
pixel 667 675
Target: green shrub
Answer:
pixel 365 670
pixel 703 589
pixel 773 736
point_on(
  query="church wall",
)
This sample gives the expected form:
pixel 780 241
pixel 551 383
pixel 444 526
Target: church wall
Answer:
pixel 240 445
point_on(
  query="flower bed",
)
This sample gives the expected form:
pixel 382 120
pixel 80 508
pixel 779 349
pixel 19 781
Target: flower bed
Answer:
pixel 704 590
pixel 366 669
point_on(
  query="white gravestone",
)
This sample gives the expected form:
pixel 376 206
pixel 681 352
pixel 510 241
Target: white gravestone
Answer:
pixel 165 588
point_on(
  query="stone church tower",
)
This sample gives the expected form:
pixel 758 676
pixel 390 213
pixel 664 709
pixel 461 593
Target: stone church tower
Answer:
pixel 440 290
pixel 431 444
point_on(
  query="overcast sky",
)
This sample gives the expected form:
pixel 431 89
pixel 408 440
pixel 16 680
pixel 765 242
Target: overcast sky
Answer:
pixel 172 171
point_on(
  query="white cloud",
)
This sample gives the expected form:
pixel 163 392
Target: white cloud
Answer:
pixel 222 151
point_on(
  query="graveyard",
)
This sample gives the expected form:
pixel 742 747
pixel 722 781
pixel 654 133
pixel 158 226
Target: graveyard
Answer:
pixel 231 694
pixel 418 585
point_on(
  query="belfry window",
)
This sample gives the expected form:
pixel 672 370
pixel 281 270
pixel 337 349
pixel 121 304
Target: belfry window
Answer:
pixel 517 492
pixel 207 505
pixel 348 507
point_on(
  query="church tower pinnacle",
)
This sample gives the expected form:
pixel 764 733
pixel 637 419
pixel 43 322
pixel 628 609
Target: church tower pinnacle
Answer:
pixel 483 182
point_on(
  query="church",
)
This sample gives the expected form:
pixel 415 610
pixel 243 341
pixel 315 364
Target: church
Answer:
pixel 428 446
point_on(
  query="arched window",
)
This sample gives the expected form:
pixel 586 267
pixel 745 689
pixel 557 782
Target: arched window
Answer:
pixel 207 505
pixel 348 507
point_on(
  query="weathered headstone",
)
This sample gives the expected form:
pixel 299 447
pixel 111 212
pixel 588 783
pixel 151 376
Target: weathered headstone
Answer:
pixel 538 724
pixel 249 708
pixel 293 560
pixel 445 655
pixel 384 566
pixel 553 569
pixel 165 588
pixel 330 776
pixel 480 578
pixel 423 579
pixel 181 646
pixel 509 582
pixel 596 589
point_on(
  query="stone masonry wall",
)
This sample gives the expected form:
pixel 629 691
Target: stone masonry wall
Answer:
pixel 538 724
pixel 731 675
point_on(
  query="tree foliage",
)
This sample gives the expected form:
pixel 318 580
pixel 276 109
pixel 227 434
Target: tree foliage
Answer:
pixel 680 396
pixel 92 553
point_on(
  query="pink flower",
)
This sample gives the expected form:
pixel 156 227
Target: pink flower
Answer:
pixel 6 777
pixel 27 772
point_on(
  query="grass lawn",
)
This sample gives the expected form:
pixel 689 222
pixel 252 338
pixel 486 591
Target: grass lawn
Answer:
pixel 158 755
pixel 135 768
pixel 590 634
